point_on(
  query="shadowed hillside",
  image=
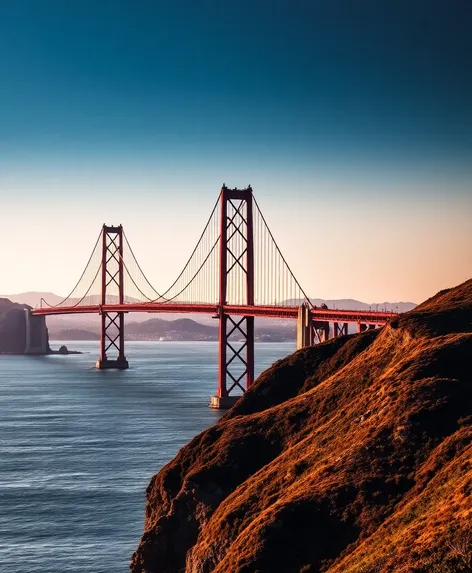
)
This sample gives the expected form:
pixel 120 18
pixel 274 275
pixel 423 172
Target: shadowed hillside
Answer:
pixel 352 456
pixel 13 330
pixel 12 327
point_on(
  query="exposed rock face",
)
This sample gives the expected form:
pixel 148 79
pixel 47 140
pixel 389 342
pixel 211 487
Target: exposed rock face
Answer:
pixel 354 456
pixel 13 327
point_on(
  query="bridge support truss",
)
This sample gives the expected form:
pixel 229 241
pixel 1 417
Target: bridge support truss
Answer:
pixel 339 329
pixel 236 270
pixel 321 331
pixel 112 334
pixel 310 331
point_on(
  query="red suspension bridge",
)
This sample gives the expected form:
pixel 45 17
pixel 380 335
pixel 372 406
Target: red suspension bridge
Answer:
pixel 236 272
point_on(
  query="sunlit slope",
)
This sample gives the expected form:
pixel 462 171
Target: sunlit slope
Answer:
pixel 354 455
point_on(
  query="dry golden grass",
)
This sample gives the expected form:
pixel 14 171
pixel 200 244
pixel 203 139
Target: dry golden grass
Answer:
pixel 352 456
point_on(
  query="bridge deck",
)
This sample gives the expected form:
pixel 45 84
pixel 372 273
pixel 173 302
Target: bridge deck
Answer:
pixel 282 312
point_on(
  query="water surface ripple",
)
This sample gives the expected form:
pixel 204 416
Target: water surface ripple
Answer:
pixel 78 448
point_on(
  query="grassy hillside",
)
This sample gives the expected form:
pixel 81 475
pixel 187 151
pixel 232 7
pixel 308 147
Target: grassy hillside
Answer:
pixel 352 456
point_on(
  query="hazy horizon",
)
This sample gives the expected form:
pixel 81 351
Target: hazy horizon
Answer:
pixel 30 295
pixel 353 124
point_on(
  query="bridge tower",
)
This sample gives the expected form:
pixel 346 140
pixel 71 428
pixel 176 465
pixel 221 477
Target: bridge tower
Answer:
pixel 236 274
pixel 112 323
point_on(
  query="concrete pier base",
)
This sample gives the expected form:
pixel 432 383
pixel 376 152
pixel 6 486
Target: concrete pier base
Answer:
pixel 120 364
pixel 36 334
pixel 223 403
pixel 304 327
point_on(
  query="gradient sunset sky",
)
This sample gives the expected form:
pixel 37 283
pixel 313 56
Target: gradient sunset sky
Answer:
pixel 352 121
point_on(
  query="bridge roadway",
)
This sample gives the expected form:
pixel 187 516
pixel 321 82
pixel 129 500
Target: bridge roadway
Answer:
pixel 282 312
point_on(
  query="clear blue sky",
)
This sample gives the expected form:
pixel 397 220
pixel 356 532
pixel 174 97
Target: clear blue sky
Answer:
pixel 353 118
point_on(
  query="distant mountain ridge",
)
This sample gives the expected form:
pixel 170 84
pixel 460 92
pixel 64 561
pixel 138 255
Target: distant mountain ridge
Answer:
pixel 353 304
pixel 184 329
pixel 33 298
pixel 74 334
pixel 160 329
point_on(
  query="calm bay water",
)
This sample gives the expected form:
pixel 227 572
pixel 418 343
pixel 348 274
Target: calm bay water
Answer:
pixel 78 448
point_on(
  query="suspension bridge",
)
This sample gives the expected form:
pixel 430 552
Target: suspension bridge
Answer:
pixel 236 272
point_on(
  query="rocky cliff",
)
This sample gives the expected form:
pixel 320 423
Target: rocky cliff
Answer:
pixel 351 456
pixel 13 327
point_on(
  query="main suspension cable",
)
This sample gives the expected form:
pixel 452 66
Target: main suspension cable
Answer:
pixel 280 253
pixel 78 282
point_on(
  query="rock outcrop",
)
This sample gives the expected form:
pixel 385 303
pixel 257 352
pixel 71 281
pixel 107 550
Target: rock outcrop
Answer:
pixel 354 456
pixel 13 328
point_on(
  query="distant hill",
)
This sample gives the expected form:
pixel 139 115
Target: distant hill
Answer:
pixel 160 329
pixel 352 304
pixel 73 334
pixel 33 299
pixel 184 329
pixel 188 329
pixel 150 329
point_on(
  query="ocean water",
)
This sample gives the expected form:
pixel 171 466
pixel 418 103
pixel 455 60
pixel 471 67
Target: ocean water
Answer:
pixel 78 447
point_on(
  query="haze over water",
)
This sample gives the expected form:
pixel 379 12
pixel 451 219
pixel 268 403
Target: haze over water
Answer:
pixel 78 447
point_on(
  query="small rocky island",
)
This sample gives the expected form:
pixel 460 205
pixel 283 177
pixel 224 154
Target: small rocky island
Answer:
pixel 351 456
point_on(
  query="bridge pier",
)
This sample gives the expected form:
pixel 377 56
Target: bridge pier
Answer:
pixel 118 364
pixel 36 334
